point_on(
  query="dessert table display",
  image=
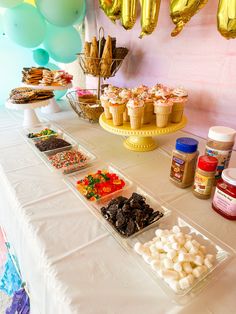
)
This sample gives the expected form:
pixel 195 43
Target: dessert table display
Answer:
pixel 77 263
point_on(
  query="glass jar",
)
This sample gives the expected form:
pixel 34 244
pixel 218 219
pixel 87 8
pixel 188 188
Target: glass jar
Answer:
pixel 204 176
pixel 224 201
pixel 183 163
pixel 220 145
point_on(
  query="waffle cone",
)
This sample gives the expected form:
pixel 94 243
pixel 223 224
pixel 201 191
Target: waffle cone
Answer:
pixel 177 112
pixel 162 120
pixel 125 115
pixel 136 116
pixel 117 114
pixel 106 58
pixel 93 61
pixel 148 112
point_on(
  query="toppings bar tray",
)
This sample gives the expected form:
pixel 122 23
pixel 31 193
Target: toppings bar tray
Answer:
pixel 184 271
pixel 97 182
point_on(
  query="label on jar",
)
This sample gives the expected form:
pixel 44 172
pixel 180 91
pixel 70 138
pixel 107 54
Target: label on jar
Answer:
pixel 202 184
pixel 223 157
pixel 225 202
pixel 177 168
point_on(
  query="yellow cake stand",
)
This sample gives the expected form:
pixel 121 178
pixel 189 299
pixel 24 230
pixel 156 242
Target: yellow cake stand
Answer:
pixel 140 140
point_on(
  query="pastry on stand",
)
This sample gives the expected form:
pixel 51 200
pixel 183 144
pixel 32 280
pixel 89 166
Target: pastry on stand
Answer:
pixel 27 99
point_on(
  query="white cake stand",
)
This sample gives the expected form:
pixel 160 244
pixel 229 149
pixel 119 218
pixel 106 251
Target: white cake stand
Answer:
pixel 53 106
pixel 30 117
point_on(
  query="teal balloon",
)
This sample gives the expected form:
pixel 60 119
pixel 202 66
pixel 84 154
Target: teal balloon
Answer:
pixel 62 43
pixel 58 93
pixel 82 13
pixel 41 56
pixel 24 25
pixel 1 26
pixel 9 3
pixel 60 12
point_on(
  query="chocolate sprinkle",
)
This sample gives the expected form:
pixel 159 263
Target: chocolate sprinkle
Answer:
pixel 51 143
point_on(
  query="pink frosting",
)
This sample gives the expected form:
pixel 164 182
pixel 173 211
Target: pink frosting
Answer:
pixel 83 92
pixel 135 103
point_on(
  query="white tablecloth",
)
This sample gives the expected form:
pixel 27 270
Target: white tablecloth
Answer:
pixel 69 261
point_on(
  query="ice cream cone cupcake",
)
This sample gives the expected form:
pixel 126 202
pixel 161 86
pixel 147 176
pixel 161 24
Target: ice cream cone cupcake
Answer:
pixel 105 104
pixel 135 111
pixel 179 98
pixel 126 94
pixel 117 108
pixel 148 107
pixel 162 109
pixel 177 109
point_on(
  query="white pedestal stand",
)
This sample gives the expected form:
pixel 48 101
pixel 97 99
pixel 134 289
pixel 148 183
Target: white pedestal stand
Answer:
pixel 30 116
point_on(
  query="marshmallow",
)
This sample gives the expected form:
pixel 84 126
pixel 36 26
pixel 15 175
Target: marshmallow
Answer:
pixel 194 250
pixel 168 264
pixel 155 265
pixel 180 239
pixel 176 229
pixel 210 257
pixel 159 245
pixel 182 274
pixel 188 237
pixel 167 247
pixel 208 263
pixel 202 248
pixel 187 267
pixel 171 238
pixel 138 248
pixel 159 233
pixel 195 243
pixel 148 259
pixel 184 283
pixel 170 274
pixel 178 267
pixel 171 254
pixel 183 250
pixel 198 260
pixel 198 271
pixel 153 248
pixel 163 239
pixel 174 284
pixel 188 245
pixel 185 257
pixel 175 246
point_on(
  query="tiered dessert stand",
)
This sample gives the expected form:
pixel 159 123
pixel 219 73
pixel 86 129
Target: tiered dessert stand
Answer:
pixel 53 106
pixel 30 116
pixel 140 140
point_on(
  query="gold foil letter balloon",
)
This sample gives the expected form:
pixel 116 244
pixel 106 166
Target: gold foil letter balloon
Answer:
pixel 181 11
pixel 226 18
pixel 128 13
pixel 111 8
pixel 149 16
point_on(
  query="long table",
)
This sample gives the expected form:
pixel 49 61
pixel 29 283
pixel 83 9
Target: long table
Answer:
pixel 70 263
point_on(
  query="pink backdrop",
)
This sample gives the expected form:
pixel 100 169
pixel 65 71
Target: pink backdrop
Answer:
pixel 199 59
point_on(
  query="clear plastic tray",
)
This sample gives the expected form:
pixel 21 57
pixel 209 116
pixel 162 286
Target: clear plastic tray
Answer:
pixel 153 202
pixel 72 179
pixel 224 253
pixel 41 127
pixel 63 136
pixel 73 168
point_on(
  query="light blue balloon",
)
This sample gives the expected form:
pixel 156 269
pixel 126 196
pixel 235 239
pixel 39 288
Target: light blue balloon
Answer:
pixel 1 26
pixel 9 3
pixel 41 56
pixel 24 25
pixel 62 43
pixel 82 13
pixel 58 93
pixel 60 12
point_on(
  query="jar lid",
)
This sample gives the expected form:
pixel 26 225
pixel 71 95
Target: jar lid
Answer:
pixel 229 175
pixel 222 134
pixel 186 144
pixel 207 163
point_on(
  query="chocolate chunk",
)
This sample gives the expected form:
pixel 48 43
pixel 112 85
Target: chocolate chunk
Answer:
pixel 129 216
